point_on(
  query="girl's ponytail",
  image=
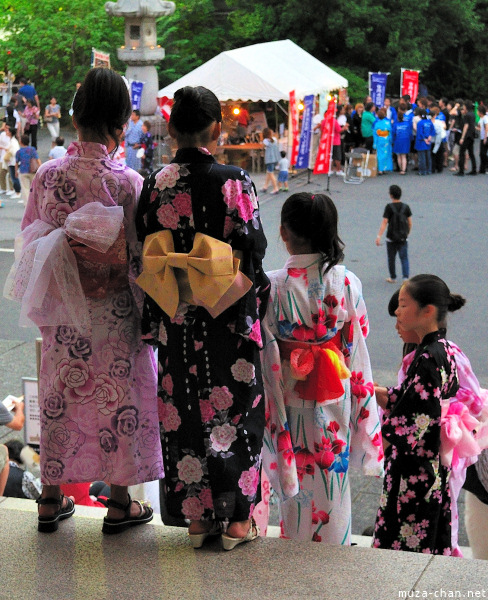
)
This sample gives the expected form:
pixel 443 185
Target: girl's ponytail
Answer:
pixel 455 302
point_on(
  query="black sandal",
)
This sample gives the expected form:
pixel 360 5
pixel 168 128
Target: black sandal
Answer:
pixel 50 524
pixel 119 525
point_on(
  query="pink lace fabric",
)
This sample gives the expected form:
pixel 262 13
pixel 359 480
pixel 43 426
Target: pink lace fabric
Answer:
pixel 45 278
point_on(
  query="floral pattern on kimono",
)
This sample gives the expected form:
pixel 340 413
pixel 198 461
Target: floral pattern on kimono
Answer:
pixel 309 445
pixel 415 505
pixel 383 144
pixel 97 390
pixel 211 399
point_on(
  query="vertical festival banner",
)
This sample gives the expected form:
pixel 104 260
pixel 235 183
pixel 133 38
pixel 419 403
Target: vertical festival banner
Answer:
pixel 306 134
pixel 100 59
pixel 136 93
pixel 409 84
pixel 377 87
pixel 293 128
pixel 324 154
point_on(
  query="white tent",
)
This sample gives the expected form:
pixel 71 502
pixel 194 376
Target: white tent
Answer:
pixel 268 71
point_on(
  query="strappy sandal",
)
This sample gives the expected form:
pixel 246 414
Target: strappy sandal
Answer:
pixel 51 523
pixel 118 525
pixel 197 539
pixel 229 543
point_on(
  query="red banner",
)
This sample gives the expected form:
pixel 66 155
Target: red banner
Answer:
pixel 410 84
pixel 165 104
pixel 322 162
pixel 294 128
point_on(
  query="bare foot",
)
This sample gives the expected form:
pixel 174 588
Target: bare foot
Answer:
pixel 238 529
pixel 116 513
pixel 48 510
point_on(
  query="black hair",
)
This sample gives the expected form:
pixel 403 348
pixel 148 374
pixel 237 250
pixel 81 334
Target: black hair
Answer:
pixel 137 112
pixel 102 104
pixel 314 218
pixel 60 141
pixel 194 109
pixel 283 154
pixel 395 191
pixel 368 106
pixel 14 450
pixel 24 139
pixel 23 80
pixel 469 105
pixel 12 130
pixel 482 109
pixel 429 289
pixel 15 89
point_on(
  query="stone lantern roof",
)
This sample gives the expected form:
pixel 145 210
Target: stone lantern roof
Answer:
pixel 140 8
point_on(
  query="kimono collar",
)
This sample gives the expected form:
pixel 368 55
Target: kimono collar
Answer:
pixel 433 336
pixel 88 150
pixel 303 261
pixel 192 155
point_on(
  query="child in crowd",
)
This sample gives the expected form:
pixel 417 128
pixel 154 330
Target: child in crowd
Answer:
pixel 147 145
pixel 58 151
pixel 23 166
pixel 465 408
pixel 321 413
pixel 423 143
pixel 271 159
pixel 283 172
pixel 397 216
pixel 415 507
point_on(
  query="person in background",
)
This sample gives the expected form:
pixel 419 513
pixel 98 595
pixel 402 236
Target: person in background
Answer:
pixel 31 115
pixel 483 125
pixel 10 163
pixel 133 137
pixel 4 173
pixel 59 150
pixel 423 142
pixel 13 420
pixel 28 91
pixel 20 483
pixel 437 142
pixel 271 159
pixel 23 165
pixel 367 121
pixel 466 142
pixel 283 166
pixel 147 144
pixel 52 114
pixel 382 137
pixel 402 137
pixel 391 112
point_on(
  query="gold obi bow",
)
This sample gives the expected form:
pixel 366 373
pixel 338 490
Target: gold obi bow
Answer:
pixel 207 276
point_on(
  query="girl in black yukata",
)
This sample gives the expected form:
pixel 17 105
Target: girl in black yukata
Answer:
pixel 415 513
pixel 210 391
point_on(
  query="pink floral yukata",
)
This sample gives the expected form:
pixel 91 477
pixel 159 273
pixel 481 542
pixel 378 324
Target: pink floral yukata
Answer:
pixel 309 445
pixel 210 389
pixel 97 388
pixel 415 506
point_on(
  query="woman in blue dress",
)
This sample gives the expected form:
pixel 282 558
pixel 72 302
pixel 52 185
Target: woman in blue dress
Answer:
pixel 402 137
pixel 382 142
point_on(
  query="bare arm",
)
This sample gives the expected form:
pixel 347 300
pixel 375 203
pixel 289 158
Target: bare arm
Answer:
pixel 19 418
pixel 383 226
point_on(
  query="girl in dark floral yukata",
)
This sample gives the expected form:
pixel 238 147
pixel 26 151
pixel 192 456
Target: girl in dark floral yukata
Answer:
pixel 415 506
pixel 206 293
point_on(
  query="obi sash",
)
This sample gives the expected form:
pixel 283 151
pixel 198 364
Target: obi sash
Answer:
pixel 318 368
pixel 206 276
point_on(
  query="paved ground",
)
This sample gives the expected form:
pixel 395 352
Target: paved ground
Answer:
pixel 448 239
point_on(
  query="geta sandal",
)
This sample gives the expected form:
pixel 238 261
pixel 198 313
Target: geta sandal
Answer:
pixel 118 525
pixel 50 524
pixel 229 543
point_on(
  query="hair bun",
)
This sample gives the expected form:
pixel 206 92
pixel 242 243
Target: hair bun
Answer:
pixel 456 302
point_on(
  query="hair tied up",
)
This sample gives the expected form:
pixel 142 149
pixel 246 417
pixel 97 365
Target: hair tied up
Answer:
pixel 455 302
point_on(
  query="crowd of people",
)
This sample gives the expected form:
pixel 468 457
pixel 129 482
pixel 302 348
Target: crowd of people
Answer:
pixel 428 135
pixel 260 379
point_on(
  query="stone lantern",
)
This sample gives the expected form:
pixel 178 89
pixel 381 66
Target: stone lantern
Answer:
pixel 141 52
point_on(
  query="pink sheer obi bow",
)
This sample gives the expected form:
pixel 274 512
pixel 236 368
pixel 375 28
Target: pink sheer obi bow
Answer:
pixel 206 276
pixel 318 369
pixel 45 277
pixel 457 433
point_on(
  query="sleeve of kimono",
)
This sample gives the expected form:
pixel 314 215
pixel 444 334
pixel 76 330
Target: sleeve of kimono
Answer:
pixel 470 392
pixel 277 454
pixel 245 233
pixel 419 412
pixel 366 444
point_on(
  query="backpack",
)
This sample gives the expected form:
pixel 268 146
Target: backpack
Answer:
pixel 397 224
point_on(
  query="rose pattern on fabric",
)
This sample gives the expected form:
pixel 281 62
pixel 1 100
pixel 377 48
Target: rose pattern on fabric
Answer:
pixel 189 469
pixel 243 370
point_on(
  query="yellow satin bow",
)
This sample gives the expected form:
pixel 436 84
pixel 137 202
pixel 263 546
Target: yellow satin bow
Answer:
pixel 212 272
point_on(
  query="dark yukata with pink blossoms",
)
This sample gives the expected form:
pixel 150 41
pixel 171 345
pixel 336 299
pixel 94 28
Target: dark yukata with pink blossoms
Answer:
pixel 210 392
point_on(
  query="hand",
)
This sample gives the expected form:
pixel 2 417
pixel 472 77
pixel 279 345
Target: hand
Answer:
pixel 18 406
pixel 381 396
pixel 378 241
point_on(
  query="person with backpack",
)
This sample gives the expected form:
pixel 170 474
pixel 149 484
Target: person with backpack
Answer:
pixel 397 216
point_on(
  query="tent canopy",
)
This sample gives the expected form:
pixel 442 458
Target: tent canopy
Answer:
pixel 268 71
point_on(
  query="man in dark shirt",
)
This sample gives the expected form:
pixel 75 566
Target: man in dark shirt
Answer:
pixel 467 139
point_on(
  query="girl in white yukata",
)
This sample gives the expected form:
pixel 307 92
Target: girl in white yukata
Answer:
pixel 321 413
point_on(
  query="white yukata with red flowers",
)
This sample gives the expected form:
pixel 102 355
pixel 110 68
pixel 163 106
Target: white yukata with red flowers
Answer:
pixel 310 445
pixel 97 387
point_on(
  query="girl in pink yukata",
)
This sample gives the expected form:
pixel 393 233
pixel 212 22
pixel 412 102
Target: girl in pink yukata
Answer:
pixel 321 413
pixel 415 505
pixel 460 446
pixel 75 277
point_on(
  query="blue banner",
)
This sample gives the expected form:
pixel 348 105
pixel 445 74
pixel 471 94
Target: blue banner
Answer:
pixel 377 87
pixel 136 93
pixel 306 134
